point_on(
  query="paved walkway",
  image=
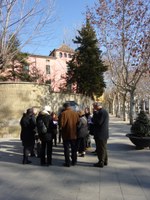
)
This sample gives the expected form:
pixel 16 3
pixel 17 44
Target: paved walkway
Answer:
pixel 127 177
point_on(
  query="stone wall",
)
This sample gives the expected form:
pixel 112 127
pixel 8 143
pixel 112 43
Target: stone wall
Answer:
pixel 15 98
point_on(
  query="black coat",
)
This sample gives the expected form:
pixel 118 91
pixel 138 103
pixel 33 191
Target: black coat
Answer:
pixel 48 121
pixel 101 124
pixel 28 124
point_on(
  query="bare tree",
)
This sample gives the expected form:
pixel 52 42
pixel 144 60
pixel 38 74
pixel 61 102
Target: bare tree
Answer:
pixel 123 27
pixel 27 20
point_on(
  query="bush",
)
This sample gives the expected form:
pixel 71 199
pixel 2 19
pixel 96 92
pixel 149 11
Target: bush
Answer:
pixel 141 126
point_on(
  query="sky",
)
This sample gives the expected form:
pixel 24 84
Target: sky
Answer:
pixel 69 16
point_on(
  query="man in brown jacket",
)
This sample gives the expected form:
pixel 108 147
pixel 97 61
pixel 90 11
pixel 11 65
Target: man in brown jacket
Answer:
pixel 68 123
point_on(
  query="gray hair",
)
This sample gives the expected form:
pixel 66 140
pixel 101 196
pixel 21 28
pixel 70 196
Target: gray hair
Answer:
pixel 98 104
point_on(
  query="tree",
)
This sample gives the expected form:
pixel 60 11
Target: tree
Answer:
pixel 27 20
pixel 17 68
pixel 124 28
pixel 86 69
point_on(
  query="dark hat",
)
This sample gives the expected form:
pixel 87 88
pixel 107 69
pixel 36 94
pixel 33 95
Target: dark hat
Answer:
pixel 66 105
pixel 29 111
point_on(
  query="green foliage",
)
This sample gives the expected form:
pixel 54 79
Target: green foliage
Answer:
pixel 141 126
pixel 86 67
pixel 18 67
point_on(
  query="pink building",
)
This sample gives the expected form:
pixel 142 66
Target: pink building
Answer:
pixel 53 68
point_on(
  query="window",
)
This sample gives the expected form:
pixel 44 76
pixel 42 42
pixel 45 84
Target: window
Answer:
pixel 60 55
pixel 65 55
pixel 69 55
pixel 47 69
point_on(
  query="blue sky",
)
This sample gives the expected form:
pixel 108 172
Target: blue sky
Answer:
pixel 69 17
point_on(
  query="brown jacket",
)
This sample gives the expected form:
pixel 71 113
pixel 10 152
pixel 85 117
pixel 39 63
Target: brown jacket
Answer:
pixel 68 122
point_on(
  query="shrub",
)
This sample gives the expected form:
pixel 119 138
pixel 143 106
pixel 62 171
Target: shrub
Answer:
pixel 141 126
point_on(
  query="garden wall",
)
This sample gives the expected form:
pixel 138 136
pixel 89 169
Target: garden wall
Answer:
pixel 15 98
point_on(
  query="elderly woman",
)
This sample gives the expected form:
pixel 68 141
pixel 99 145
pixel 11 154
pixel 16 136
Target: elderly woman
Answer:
pixel 82 133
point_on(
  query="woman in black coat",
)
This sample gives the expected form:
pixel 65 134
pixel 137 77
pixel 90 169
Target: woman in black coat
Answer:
pixel 28 124
pixel 46 136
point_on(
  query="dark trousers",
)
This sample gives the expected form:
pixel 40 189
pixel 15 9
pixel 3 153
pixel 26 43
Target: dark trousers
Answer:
pixel 26 152
pixel 46 150
pixel 60 136
pixel 55 137
pixel 81 144
pixel 67 144
pixel 33 148
pixel 101 149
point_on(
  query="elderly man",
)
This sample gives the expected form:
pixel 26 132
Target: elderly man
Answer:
pixel 68 123
pixel 101 133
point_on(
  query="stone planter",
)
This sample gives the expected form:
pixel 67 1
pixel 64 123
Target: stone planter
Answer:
pixel 139 142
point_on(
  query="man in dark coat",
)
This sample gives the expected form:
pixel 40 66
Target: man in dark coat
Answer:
pixel 28 124
pixel 101 133
pixel 68 125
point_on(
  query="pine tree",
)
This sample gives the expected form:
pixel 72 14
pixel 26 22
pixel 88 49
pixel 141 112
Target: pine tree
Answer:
pixel 86 69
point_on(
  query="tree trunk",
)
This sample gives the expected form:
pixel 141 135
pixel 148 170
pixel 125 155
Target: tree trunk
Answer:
pixel 114 107
pixel 131 113
pixel 118 105
pixel 148 105
pixel 124 107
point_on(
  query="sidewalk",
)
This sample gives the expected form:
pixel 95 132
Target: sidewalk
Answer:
pixel 127 176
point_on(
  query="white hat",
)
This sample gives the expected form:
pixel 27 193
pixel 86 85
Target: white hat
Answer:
pixel 47 108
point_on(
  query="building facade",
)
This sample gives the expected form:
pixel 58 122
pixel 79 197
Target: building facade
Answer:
pixel 52 68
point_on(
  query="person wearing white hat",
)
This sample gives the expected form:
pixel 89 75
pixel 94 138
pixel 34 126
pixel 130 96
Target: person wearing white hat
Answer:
pixel 44 127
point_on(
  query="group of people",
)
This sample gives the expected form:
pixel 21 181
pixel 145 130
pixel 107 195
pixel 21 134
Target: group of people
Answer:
pixel 74 128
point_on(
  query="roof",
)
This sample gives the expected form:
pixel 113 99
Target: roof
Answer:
pixel 65 48
pixel 41 56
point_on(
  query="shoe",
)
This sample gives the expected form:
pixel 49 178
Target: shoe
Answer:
pixel 105 163
pixel 99 164
pixel 82 155
pixel 66 165
pixel 74 163
pixel 43 164
pixel 48 164
pixel 33 155
pixel 26 162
